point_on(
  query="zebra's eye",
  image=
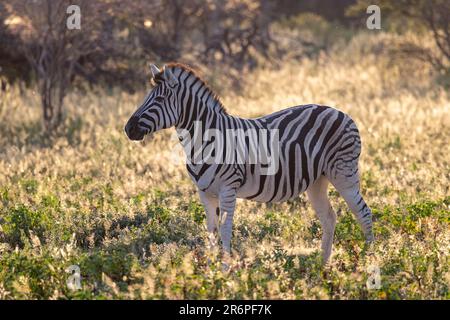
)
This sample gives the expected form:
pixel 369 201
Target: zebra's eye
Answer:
pixel 159 99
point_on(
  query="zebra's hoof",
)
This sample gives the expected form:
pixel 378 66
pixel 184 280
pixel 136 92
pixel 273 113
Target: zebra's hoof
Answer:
pixel 370 238
pixel 225 267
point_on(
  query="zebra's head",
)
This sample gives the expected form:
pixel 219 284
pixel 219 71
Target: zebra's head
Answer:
pixel 160 108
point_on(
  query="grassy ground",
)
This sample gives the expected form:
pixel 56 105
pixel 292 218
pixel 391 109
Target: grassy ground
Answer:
pixel 127 214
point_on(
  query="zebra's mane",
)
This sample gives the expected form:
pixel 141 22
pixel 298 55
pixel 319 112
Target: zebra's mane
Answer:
pixel 195 74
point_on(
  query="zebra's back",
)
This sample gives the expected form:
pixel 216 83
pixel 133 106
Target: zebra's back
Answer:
pixel 313 140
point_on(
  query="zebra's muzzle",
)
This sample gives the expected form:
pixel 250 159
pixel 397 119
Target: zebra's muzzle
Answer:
pixel 132 129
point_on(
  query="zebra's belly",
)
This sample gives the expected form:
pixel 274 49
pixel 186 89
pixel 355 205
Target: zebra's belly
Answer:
pixel 272 188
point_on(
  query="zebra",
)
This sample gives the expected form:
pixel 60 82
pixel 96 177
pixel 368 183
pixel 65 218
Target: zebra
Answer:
pixel 318 145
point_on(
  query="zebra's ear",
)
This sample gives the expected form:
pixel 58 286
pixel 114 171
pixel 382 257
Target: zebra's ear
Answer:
pixel 170 78
pixel 154 70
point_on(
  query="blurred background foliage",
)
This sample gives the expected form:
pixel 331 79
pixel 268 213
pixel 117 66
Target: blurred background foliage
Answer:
pixel 118 38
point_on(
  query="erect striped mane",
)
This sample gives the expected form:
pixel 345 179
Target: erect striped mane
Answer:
pixel 193 73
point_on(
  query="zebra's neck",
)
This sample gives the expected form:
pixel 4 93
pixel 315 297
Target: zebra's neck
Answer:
pixel 198 103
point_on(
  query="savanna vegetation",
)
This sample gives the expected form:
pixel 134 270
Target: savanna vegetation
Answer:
pixel 128 215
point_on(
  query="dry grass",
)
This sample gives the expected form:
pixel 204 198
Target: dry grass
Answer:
pixel 129 216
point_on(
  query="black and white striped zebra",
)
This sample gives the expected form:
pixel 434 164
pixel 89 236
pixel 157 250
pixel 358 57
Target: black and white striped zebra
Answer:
pixel 317 145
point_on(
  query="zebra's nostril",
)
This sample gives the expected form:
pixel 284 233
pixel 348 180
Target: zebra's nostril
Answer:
pixel 132 129
pixel 132 123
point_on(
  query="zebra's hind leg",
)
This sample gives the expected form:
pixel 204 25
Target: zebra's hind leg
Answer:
pixel 343 173
pixel 349 188
pixel 318 196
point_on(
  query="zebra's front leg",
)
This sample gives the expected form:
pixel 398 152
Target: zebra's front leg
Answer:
pixel 211 204
pixel 227 202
